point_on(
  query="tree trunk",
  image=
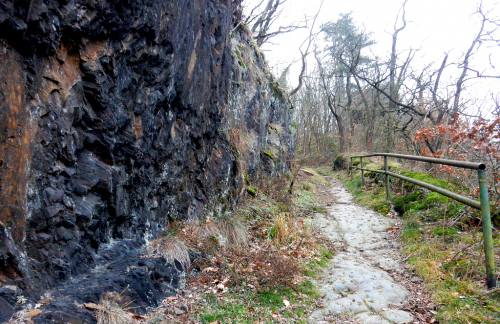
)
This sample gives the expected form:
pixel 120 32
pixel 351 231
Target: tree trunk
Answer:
pixel 369 119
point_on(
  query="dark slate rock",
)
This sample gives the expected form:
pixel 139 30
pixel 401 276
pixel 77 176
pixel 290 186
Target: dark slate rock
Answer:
pixel 117 117
pixel 6 310
pixel 119 267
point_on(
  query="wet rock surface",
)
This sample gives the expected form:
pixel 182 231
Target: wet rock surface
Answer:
pixel 357 282
pixel 117 117
pixel 120 267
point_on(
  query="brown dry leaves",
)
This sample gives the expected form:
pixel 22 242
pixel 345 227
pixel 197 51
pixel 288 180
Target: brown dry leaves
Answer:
pixel 419 303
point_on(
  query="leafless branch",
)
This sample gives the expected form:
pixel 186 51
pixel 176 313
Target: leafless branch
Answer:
pixel 304 54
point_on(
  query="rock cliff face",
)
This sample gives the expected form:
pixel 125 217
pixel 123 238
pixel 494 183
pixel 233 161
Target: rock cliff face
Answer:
pixel 117 117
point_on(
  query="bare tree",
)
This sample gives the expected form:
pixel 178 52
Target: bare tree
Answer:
pixel 263 18
pixel 382 103
pixel 305 53
pixel 331 89
pixel 393 87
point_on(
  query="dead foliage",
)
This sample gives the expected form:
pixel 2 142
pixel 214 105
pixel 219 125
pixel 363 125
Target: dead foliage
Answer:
pixel 172 248
pixel 277 189
pixel 24 316
pixel 257 269
pixel 281 228
pixel 233 229
pixel 114 308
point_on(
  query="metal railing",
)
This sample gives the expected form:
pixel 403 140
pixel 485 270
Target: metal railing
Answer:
pixel 482 205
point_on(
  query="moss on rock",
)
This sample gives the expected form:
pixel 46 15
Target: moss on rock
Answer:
pixel 270 155
pixel 403 203
pixel 427 178
pixel 252 190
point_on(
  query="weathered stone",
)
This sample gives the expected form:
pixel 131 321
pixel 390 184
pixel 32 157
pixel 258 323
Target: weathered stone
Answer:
pixel 116 119
pixel 340 162
pixel 178 311
pixel 357 283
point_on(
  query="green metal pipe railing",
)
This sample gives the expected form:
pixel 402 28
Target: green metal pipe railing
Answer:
pixel 482 205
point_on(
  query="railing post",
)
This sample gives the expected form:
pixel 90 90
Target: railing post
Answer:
pixel 487 236
pixel 352 172
pixel 351 167
pixel 388 195
pixel 362 173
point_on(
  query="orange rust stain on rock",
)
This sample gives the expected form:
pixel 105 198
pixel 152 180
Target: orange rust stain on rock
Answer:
pixel 61 76
pixel 93 51
pixel 138 129
pixel 17 129
pixel 192 60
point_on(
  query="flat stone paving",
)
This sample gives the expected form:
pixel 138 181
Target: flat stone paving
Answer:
pixel 357 282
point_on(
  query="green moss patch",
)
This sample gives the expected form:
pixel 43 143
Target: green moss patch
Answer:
pixel 270 155
pixel 440 231
pixel 402 204
pixel 430 179
pixel 252 191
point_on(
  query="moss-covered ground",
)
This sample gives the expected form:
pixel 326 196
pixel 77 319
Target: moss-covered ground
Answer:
pixel 442 240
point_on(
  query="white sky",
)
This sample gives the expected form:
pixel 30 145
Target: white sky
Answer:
pixel 434 26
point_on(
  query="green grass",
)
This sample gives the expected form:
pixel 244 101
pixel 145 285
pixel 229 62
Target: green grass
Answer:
pixel 452 283
pixel 248 306
pixel 304 198
pixel 439 231
pixel 314 265
pixel 318 209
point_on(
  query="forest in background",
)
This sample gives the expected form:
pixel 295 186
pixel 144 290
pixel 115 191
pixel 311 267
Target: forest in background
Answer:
pixel 348 99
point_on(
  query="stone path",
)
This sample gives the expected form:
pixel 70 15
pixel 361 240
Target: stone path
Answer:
pixel 357 283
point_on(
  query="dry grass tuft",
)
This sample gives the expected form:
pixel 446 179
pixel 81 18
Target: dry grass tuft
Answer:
pixel 281 228
pixel 24 316
pixel 111 311
pixel 205 228
pixel 233 229
pixel 171 248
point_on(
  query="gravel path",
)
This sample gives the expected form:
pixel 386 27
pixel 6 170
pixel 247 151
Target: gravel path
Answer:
pixel 357 286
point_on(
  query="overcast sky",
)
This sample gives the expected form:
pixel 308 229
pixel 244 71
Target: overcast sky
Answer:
pixel 434 26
